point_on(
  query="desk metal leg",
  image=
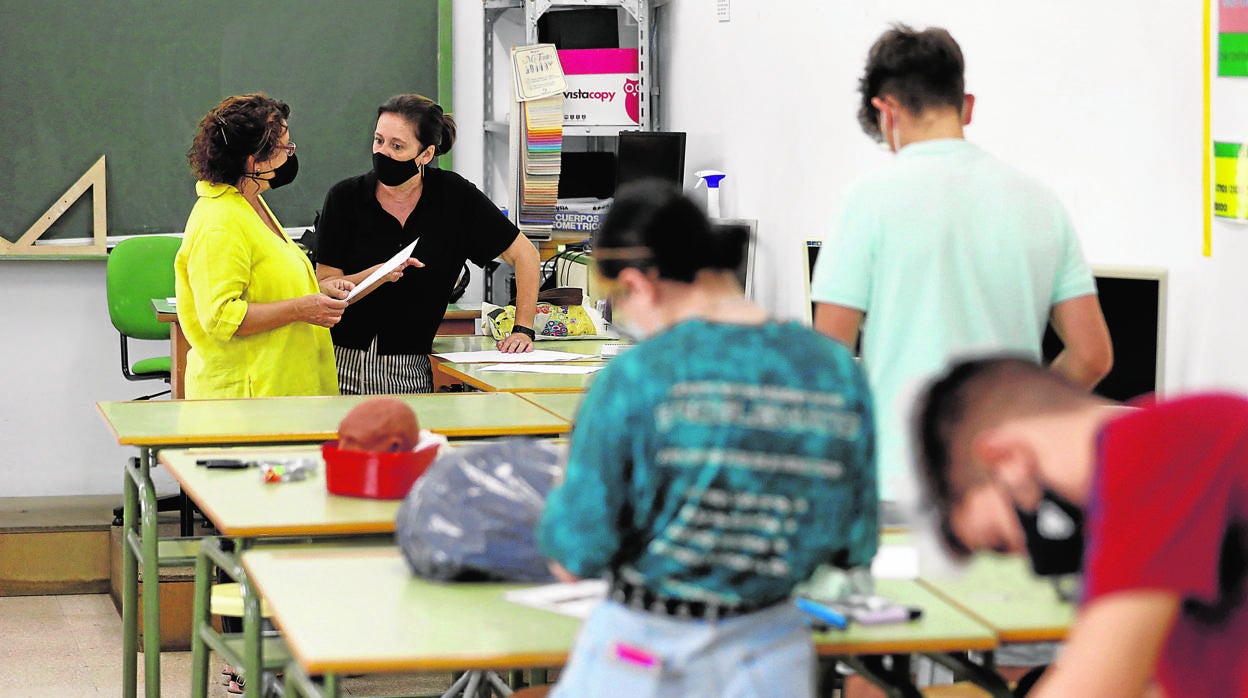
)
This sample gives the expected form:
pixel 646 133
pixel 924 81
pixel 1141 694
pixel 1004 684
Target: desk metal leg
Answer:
pixel 129 588
pixel 201 618
pixel 895 680
pixel 984 677
pixel 151 573
pixel 298 684
pixel 253 666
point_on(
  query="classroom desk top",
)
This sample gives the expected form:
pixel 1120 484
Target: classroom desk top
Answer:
pixel 1003 594
pixel 513 382
pixel 943 627
pixel 294 419
pixel 405 623
pixel 589 347
pixel 399 622
pixel 241 504
pixel 564 405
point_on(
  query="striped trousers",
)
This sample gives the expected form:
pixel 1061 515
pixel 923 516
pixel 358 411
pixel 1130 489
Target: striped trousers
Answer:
pixel 365 372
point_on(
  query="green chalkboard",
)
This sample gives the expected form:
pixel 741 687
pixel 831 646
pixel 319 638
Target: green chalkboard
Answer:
pixel 130 79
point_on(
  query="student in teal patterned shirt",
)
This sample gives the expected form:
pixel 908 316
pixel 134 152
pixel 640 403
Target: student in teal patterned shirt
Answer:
pixel 712 468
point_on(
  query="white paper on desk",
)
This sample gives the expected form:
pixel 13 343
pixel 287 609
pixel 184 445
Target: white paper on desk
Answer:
pixel 494 356
pixel 893 561
pixel 390 265
pixel 576 599
pixel 565 369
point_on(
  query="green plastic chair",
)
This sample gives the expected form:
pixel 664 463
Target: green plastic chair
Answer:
pixel 140 269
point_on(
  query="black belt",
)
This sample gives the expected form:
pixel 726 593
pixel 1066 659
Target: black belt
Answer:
pixel 642 599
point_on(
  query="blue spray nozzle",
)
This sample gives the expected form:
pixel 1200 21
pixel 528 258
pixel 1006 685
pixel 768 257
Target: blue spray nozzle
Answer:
pixel 711 177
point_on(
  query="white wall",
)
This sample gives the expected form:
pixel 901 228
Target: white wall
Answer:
pixel 60 356
pixel 1100 102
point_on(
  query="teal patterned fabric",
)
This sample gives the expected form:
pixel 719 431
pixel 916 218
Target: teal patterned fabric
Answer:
pixel 720 463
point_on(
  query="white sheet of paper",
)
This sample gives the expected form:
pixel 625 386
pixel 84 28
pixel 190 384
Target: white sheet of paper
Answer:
pixel 566 369
pixel 390 265
pixel 896 562
pixel 576 599
pixel 494 356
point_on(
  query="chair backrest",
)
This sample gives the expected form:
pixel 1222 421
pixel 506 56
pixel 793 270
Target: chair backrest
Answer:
pixel 140 269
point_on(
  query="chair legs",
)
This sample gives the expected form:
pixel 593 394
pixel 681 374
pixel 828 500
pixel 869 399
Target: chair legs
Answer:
pixel 171 502
pixel 149 397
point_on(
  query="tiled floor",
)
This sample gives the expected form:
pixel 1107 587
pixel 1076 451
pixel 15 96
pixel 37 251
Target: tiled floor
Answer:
pixel 70 646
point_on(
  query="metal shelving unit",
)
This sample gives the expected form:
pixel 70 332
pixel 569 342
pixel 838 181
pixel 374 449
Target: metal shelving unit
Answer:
pixel 642 12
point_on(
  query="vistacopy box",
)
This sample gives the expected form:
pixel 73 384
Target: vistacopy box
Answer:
pixel 602 87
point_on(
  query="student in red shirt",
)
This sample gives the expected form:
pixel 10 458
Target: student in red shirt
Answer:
pixel 1151 503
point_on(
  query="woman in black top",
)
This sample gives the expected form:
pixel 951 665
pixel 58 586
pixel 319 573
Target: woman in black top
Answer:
pixel 383 342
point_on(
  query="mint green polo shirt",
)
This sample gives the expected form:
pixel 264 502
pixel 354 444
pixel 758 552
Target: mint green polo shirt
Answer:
pixel 949 252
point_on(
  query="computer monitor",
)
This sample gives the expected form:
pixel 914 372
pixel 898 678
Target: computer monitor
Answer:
pixel 648 155
pixel 1133 300
pixel 812 253
pixel 745 270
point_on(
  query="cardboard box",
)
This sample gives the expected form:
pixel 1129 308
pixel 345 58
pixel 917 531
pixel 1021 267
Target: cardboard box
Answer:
pixel 581 214
pixel 602 87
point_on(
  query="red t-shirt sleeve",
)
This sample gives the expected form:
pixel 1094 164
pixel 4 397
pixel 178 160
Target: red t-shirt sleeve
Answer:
pixel 1162 496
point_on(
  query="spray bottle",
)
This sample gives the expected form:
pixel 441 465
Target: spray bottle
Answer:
pixel 712 179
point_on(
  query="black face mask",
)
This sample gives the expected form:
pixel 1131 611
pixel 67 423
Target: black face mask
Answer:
pixel 281 175
pixel 1054 535
pixel 391 172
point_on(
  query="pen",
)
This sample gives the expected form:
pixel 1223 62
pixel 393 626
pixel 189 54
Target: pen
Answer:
pixel 223 463
pixel 823 613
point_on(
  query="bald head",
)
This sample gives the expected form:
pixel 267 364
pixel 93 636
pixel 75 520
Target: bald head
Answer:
pixel 382 424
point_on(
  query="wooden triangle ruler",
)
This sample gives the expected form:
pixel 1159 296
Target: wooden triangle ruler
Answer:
pixel 93 179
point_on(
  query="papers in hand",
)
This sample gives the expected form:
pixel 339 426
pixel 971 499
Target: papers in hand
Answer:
pixel 576 599
pixel 390 265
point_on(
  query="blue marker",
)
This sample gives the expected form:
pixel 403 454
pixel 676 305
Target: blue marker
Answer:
pixel 823 613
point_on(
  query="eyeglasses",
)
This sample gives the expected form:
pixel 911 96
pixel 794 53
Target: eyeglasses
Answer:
pixel 289 148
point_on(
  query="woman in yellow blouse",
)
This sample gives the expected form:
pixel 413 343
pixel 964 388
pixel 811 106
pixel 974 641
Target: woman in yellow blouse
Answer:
pixel 249 302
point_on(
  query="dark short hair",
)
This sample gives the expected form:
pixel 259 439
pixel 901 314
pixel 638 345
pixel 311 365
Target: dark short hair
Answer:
pixel 970 396
pixel 239 126
pixel 433 127
pixel 920 69
pixel 652 225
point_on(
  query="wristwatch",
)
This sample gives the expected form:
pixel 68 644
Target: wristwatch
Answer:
pixel 527 331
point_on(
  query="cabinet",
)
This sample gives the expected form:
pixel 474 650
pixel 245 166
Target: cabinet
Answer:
pixel 641 15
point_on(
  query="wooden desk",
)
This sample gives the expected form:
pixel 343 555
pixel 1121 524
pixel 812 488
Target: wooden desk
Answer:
pixel 178 346
pixel 248 510
pixel 564 405
pixel 508 382
pixel 241 505
pixel 404 623
pixel 588 347
pixel 153 425
pixel 363 611
pixel 159 423
pixel 459 319
pixel 1004 595
pixel 943 627
pixel 447 373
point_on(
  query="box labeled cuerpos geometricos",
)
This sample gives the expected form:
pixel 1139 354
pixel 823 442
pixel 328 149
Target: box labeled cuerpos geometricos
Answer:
pixel 581 214
pixel 601 87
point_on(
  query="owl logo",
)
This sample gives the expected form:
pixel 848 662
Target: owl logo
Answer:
pixel 632 102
